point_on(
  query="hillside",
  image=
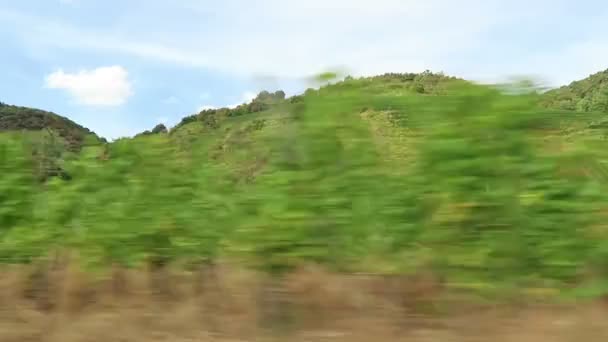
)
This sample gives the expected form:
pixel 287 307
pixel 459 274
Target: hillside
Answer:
pixel 15 118
pixel 51 138
pixel 234 133
pixel 239 137
pixel 586 95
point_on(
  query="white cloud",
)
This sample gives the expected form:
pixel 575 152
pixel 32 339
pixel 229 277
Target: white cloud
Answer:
pixel 104 86
pixel 248 96
pixel 171 100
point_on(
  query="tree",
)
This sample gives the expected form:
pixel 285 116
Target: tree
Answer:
pixel 279 95
pixel 160 128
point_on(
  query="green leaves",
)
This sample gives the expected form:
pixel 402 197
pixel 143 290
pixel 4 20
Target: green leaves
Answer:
pixel 487 194
pixel 16 183
pixel 587 95
pixel 500 196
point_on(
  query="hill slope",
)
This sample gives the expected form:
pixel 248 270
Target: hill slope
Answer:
pixel 238 137
pixel 51 138
pixel 15 118
pixel 586 95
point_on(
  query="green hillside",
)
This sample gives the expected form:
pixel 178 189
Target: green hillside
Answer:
pixel 239 136
pixel 587 95
pixel 394 174
pixel 231 132
pixel 15 118
pixel 51 138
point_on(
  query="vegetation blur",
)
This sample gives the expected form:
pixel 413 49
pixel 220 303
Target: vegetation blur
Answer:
pixel 494 190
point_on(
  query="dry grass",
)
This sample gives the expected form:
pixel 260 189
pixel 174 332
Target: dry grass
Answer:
pixel 232 304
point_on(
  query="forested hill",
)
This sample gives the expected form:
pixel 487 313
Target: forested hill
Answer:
pixel 425 83
pixel 586 95
pixel 16 118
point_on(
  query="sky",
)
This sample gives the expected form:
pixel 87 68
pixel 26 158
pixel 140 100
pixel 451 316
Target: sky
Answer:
pixel 120 67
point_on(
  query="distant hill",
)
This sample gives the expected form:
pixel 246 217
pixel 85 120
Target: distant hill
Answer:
pixel 425 83
pixel 238 137
pixel 587 95
pixel 52 138
pixel 16 118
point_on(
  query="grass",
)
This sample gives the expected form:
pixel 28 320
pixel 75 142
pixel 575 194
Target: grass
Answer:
pixel 228 303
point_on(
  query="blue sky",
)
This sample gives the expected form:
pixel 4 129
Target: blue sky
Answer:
pixel 122 66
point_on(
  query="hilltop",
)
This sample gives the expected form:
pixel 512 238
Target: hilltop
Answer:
pixel 237 136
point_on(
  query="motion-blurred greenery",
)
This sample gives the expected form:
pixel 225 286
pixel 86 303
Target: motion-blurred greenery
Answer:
pixel 391 174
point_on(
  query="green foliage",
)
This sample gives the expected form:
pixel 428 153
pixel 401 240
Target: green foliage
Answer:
pixel 212 118
pixel 14 118
pixel 48 152
pixel 52 138
pixel 493 189
pixel 587 95
pixel 312 204
pixel 326 76
pixel 16 184
pixel 502 210
pixel 158 129
pixel 17 189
